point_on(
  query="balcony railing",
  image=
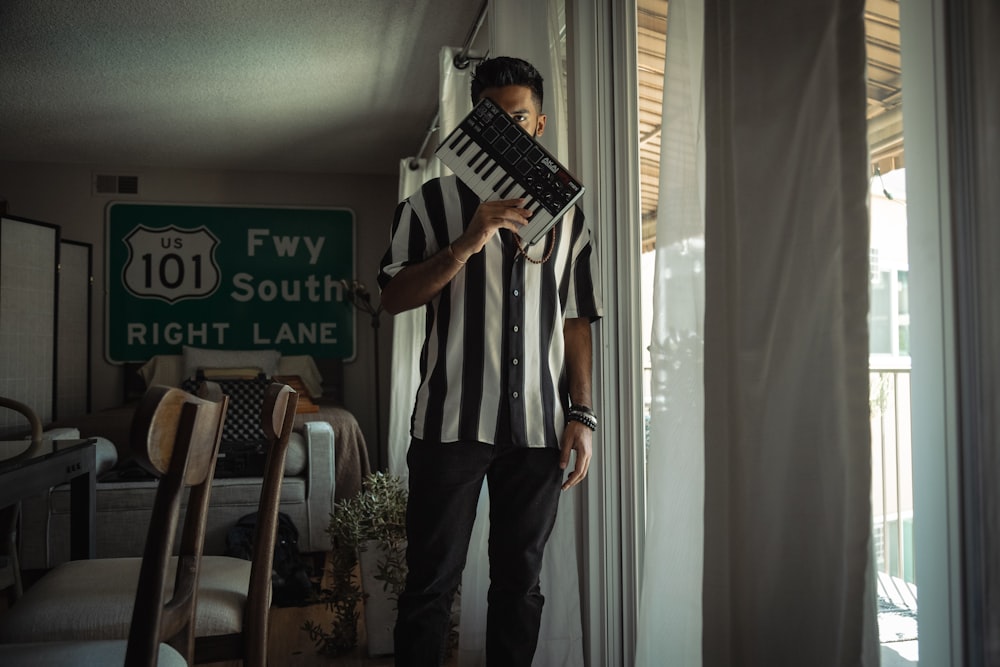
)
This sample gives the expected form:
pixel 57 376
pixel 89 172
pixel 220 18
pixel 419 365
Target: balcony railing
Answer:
pixel 892 512
pixel 892 479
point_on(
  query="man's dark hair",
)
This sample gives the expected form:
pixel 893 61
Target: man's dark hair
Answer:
pixel 506 71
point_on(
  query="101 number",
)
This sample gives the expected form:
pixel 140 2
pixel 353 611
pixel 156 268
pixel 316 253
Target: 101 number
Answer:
pixel 170 270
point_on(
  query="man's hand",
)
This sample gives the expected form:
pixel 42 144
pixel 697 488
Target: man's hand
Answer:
pixel 418 283
pixel 488 218
pixel 576 437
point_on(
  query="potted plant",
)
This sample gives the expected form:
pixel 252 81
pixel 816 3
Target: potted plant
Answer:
pixel 368 529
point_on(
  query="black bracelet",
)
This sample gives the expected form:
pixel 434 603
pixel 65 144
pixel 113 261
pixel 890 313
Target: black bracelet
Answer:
pixel 582 414
pixel 582 418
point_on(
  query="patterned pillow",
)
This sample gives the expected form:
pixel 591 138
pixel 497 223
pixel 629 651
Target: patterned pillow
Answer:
pixel 243 450
pixel 246 396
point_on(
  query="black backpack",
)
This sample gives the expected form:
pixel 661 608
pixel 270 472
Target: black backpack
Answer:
pixel 290 584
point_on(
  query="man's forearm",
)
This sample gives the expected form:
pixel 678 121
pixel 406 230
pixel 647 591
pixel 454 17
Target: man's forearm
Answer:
pixel 417 284
pixel 576 333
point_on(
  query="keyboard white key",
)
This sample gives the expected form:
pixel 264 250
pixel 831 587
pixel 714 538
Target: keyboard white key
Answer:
pixel 497 159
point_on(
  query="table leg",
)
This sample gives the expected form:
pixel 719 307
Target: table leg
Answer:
pixel 83 514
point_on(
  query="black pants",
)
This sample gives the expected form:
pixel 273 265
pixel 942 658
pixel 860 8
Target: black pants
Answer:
pixel 445 481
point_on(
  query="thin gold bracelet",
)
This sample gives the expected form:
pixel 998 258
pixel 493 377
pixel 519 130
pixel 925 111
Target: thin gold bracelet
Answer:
pixel 453 255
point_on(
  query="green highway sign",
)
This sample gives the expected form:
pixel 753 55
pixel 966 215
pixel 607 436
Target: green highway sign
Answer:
pixel 228 277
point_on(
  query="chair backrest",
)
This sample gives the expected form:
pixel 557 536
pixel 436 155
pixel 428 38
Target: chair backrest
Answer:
pixel 175 436
pixel 277 419
pixel 33 421
pixel 10 568
pixel 249 643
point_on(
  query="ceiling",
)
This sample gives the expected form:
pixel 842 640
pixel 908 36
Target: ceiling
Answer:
pixel 332 86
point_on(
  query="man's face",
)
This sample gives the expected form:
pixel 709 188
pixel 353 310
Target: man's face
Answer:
pixel 520 105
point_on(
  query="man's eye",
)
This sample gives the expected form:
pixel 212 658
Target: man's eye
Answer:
pixel 520 118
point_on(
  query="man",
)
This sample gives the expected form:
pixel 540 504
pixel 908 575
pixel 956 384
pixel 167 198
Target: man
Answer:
pixel 505 389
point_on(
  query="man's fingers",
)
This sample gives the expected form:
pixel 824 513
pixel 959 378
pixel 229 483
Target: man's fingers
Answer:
pixel 503 207
pixel 578 474
pixel 489 217
pixel 517 216
pixel 509 203
pixel 508 218
pixel 583 455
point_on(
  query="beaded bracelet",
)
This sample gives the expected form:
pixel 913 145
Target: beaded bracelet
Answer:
pixel 582 414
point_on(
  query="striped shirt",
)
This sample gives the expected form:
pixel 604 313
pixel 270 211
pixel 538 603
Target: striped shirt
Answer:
pixel 492 364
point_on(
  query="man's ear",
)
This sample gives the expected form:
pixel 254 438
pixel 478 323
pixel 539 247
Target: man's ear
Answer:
pixel 540 125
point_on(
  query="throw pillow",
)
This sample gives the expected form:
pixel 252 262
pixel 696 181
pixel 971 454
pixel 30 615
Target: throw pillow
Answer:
pixel 243 450
pixel 196 358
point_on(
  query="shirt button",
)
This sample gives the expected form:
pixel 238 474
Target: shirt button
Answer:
pixel 514 362
pixel 517 293
pixel 515 394
pixel 516 328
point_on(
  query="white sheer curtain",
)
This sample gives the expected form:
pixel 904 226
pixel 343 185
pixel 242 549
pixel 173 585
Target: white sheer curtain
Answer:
pixel 670 623
pixel 408 327
pixel 758 521
pixel 531 30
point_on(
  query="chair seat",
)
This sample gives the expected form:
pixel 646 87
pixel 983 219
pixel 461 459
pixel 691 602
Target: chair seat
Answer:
pixel 56 654
pixel 93 599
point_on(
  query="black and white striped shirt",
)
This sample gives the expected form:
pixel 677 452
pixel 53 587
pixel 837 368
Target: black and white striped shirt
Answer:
pixel 492 365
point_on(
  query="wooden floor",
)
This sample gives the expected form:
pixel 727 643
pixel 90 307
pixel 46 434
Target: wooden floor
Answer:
pixel 289 645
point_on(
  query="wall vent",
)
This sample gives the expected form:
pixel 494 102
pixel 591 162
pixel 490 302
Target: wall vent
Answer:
pixel 115 184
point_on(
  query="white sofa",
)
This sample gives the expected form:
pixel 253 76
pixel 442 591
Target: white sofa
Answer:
pixel 124 507
pixel 327 459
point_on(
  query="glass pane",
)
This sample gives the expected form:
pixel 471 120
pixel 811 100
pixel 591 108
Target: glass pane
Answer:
pixel 889 345
pixel 889 336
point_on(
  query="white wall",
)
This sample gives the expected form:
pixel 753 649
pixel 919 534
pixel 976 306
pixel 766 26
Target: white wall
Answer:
pixel 62 194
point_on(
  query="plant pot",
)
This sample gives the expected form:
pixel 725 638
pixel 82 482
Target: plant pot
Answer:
pixel 380 603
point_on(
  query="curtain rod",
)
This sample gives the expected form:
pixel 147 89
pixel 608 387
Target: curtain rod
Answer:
pixel 414 163
pixel 460 61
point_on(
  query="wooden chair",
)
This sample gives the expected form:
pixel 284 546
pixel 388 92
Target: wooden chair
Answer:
pixel 233 594
pixel 174 436
pixel 10 568
pixel 34 423
pixel 241 590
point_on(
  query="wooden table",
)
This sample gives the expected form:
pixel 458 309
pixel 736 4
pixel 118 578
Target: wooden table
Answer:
pixel 57 462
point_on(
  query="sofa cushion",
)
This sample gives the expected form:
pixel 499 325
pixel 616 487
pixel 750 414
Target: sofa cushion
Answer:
pixel 107 455
pixel 124 508
pixel 222 587
pixel 297 455
pixel 124 496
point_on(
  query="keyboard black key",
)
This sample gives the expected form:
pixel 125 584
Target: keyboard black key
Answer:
pixel 497 159
pixel 482 163
pixel 465 146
